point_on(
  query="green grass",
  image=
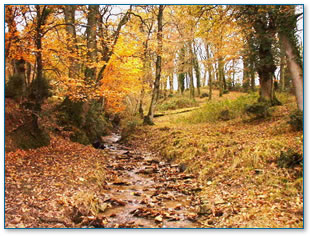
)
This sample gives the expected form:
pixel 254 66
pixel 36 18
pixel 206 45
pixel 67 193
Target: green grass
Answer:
pixel 211 111
pixel 176 102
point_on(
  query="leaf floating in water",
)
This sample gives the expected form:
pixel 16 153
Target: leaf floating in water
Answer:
pixel 136 194
pixel 116 202
pixel 158 219
pixel 122 183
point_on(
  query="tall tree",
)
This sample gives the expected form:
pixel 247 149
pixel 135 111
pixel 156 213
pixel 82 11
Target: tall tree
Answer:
pixel 197 69
pixel 69 13
pixel 91 32
pixel 209 66
pixel 149 118
pixel 287 27
pixel 262 21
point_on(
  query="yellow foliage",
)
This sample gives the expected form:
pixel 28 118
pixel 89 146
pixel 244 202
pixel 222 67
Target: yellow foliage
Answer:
pixel 122 75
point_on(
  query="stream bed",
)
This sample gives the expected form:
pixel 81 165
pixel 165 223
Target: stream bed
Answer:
pixel 148 192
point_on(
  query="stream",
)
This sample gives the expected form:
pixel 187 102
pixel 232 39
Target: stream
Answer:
pixel 148 193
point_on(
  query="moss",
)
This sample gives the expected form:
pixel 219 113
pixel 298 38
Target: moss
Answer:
pixel 259 109
pixel 79 137
pixel 87 119
pixel 30 136
pixel 297 120
pixel 128 125
pixel 15 87
pixel 225 115
pixel 71 112
pixel 39 90
pixel 289 159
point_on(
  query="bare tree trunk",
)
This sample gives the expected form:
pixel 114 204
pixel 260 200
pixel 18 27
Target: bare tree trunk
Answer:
pixel 191 83
pixel 28 73
pixel 282 73
pixel 107 53
pixel 141 113
pixel 252 74
pixel 220 76
pixel 295 70
pixel 171 83
pixel 40 22
pixel 149 118
pixel 196 68
pixel 93 10
pixel 266 84
pixel 209 72
pixel 69 12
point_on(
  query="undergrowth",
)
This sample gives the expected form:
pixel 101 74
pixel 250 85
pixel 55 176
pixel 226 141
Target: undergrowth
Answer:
pixel 237 160
pixel 176 102
pixel 227 109
pixel 212 110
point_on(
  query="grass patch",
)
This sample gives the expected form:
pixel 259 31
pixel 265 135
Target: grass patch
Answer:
pixel 236 157
pixel 176 102
pixel 214 110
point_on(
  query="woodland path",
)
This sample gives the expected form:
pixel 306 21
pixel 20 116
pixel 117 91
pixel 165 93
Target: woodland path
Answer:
pixel 149 192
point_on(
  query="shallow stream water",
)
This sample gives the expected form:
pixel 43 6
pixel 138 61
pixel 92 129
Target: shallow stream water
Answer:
pixel 148 192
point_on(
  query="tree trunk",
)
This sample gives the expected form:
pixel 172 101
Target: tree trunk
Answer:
pixel 141 112
pixel 224 79
pixel 282 72
pixel 107 53
pixel 40 22
pixel 220 76
pixel 149 118
pixel 181 81
pixel 181 74
pixel 38 84
pixel 266 84
pixel 196 68
pixel 295 70
pixel 265 65
pixel 252 75
pixel 171 83
pixel 90 72
pixel 28 73
pixel 69 12
pixel 209 72
pixel 191 83
pixel 245 79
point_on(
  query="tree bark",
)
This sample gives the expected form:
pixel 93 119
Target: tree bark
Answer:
pixel 282 72
pixel 149 118
pixel 209 72
pixel 90 72
pixel 191 83
pixel 197 69
pixel 171 83
pixel 40 22
pixel 181 74
pixel 107 54
pixel 69 12
pixel 295 70
pixel 252 75
pixel 220 76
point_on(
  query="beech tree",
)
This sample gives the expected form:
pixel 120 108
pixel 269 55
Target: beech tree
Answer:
pixel 149 117
pixel 287 28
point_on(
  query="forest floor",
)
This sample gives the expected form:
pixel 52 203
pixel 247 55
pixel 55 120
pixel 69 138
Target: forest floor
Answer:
pixel 236 164
pixel 174 174
pixel 70 185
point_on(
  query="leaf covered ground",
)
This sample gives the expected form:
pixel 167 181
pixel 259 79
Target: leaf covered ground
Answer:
pixel 174 174
pixel 237 165
pixel 68 185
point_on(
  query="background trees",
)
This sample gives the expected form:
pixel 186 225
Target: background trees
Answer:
pixel 105 52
